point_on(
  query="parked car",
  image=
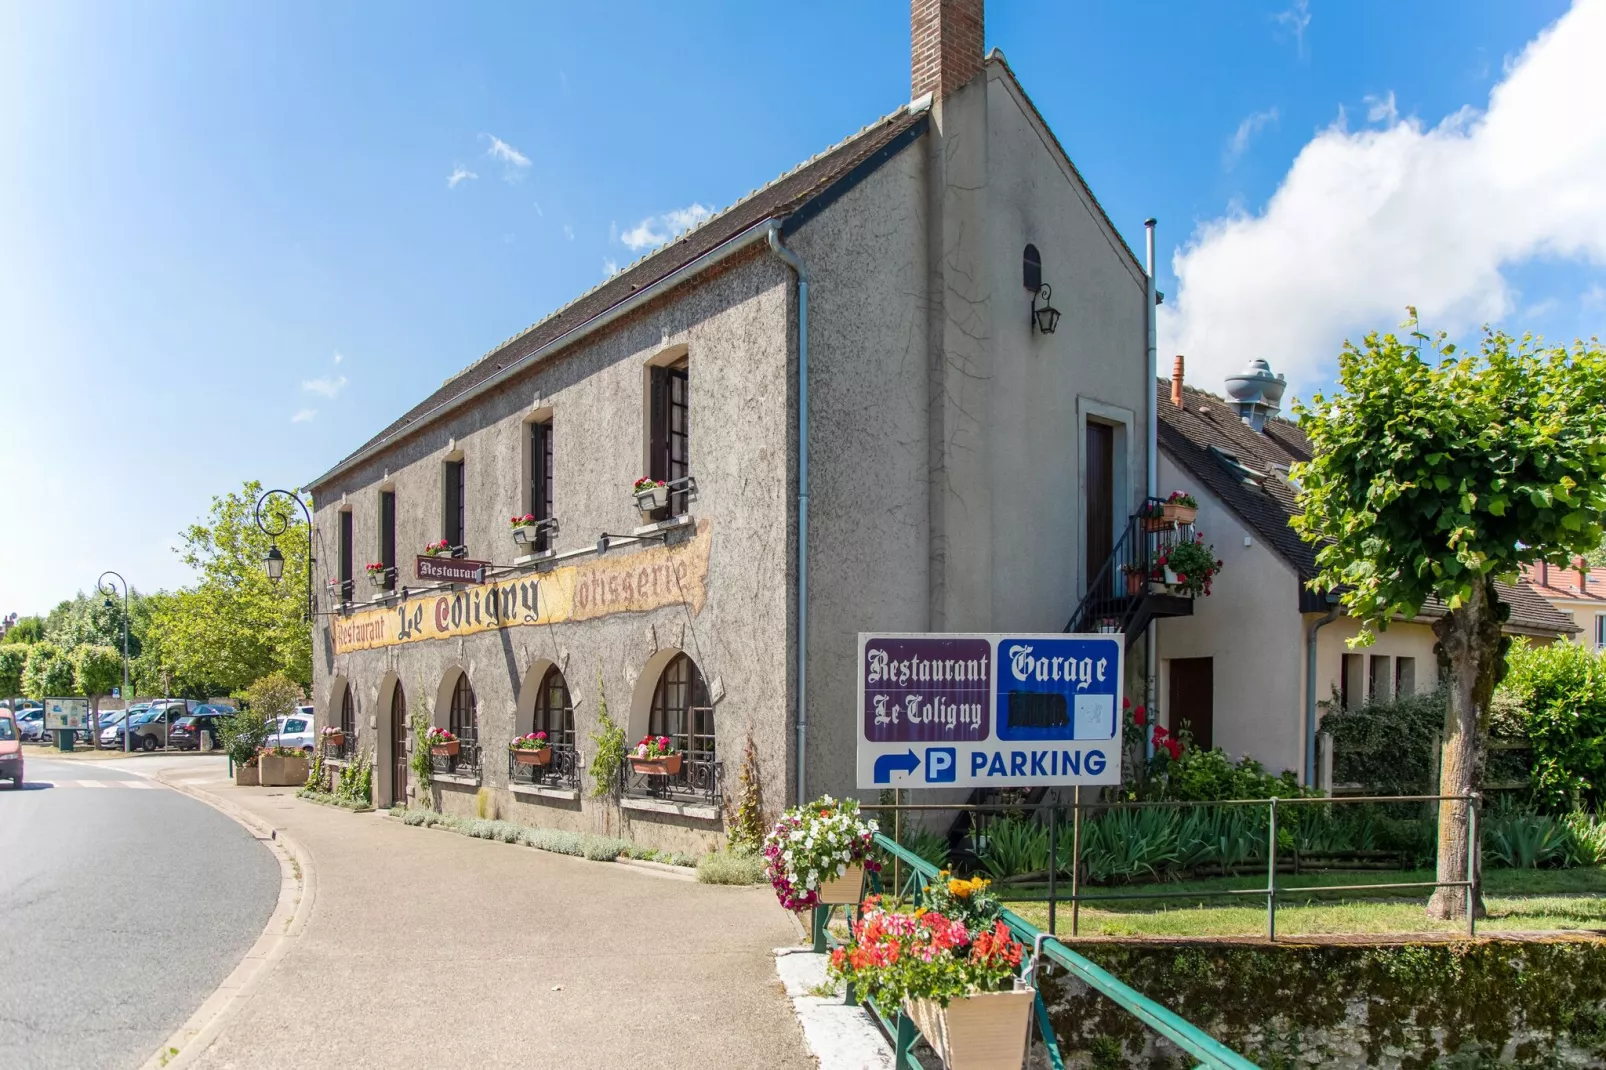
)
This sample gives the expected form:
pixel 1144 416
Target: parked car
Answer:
pixel 186 732
pixel 294 731
pixel 216 709
pixel 11 762
pixel 31 724
pixel 148 729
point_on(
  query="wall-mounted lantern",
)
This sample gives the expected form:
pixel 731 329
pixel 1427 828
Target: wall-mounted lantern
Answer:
pixel 1046 318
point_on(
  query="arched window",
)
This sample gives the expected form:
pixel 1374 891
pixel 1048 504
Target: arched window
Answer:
pixel 554 710
pixel 681 710
pixel 464 722
pixel 348 723
pixel 398 746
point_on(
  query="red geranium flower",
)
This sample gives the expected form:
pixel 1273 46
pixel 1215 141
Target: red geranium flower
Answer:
pixel 1140 716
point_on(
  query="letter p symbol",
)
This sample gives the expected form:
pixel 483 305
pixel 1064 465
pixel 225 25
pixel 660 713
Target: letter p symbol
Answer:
pixel 940 765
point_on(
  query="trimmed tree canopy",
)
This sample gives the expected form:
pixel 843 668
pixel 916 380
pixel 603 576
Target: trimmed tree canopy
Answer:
pixel 1434 470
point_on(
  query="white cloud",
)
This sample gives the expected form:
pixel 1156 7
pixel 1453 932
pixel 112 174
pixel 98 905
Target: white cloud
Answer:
pixel 304 416
pixel 506 153
pixel 339 356
pixel 1365 223
pixel 1247 129
pixel 1296 19
pixel 568 232
pixel 655 230
pixel 459 173
pixel 1382 109
pixel 328 386
pixel 610 267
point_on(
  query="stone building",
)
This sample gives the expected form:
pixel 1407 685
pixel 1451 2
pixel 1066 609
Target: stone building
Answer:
pixel 900 388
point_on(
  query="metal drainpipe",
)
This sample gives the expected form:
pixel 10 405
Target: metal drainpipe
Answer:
pixel 796 265
pixel 1151 656
pixel 1310 686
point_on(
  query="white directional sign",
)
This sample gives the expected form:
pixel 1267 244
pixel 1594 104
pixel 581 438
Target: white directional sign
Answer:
pixel 946 709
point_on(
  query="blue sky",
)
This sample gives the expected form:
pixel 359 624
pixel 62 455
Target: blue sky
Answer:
pixel 215 218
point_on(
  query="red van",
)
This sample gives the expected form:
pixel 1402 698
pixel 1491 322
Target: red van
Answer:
pixel 10 750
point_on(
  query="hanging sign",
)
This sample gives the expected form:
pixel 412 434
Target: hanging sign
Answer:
pixel 451 569
pixel 989 710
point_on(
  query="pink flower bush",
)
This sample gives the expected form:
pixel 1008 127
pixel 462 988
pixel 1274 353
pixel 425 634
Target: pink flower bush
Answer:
pixel 814 843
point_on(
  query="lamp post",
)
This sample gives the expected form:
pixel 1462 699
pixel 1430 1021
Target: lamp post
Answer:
pixel 109 589
pixel 273 560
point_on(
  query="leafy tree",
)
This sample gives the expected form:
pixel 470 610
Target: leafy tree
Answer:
pixel 96 670
pixel 88 618
pixel 274 696
pixel 48 672
pixel 26 630
pixel 235 626
pixel 1559 692
pixel 1432 474
pixel 13 658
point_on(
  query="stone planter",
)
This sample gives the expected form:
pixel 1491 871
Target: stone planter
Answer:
pixel 278 771
pixel 987 1031
pixel 247 776
pixel 666 766
pixel 846 890
pixel 445 750
pixel 533 757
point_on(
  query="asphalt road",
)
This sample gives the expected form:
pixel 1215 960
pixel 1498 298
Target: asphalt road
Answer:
pixel 123 905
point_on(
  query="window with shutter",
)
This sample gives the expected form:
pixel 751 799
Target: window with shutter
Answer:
pixel 387 535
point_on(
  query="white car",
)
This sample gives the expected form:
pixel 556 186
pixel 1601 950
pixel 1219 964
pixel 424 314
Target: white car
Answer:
pixel 294 731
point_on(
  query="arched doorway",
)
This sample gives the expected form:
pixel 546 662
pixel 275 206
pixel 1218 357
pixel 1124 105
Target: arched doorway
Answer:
pixel 398 746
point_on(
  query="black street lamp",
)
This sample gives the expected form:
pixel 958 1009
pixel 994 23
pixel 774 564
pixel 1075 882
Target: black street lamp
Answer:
pixel 109 589
pixel 273 560
pixel 1047 318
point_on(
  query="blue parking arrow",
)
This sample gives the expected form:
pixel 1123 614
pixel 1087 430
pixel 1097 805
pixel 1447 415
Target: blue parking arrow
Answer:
pixel 886 764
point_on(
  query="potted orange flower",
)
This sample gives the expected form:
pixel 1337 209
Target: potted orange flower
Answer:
pixel 655 756
pixel 531 749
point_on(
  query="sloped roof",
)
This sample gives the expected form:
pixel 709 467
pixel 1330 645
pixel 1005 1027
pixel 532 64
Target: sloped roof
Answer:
pixel 782 197
pixel 1562 584
pixel 1205 436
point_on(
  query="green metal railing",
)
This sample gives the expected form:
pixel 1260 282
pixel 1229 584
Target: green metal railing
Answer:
pixel 910 876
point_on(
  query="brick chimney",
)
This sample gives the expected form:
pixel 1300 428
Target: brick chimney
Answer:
pixel 1583 574
pixel 1176 381
pixel 945 44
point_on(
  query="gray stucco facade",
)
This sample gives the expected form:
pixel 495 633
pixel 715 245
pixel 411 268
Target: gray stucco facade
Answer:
pixel 944 454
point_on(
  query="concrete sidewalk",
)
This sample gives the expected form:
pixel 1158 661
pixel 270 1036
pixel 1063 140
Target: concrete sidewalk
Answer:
pixel 429 949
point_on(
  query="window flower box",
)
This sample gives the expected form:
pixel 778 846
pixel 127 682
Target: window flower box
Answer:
pixel 651 495
pixel 442 743
pixel 655 756
pixel 334 737
pixel 441 548
pixel 1180 508
pixel 531 749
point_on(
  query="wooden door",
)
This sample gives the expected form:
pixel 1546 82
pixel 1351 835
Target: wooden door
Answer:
pixel 1099 503
pixel 1193 699
pixel 398 747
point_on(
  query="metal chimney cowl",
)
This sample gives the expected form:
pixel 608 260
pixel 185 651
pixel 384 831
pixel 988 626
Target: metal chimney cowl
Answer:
pixel 1256 393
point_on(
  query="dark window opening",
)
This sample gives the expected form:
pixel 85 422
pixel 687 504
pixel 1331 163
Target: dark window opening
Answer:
pixel 346 587
pixel 454 520
pixel 669 456
pixel 682 711
pixel 1032 269
pixel 464 721
pixel 541 478
pixel 554 711
pixel 387 536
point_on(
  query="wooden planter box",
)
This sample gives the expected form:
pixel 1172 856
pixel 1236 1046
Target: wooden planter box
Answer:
pixel 533 757
pixel 846 890
pixel 987 1031
pixel 667 766
pixel 246 776
pixel 1181 514
pixel 446 750
pixel 280 772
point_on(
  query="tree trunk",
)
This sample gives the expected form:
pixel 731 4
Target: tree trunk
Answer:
pixel 1470 638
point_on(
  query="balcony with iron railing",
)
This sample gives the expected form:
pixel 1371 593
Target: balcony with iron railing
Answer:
pixel 340 747
pixel 699 784
pixel 1131 588
pixel 464 765
pixel 561 771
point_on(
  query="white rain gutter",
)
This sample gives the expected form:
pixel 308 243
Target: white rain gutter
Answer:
pixel 792 260
pixel 752 235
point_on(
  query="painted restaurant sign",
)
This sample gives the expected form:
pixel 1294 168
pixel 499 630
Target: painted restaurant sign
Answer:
pixel 619 583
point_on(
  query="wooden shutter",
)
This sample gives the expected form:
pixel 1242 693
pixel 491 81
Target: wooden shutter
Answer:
pixel 345 556
pixel 387 533
pixel 658 442
pixel 538 454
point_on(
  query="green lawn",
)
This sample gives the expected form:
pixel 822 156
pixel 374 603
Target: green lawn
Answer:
pixel 1515 899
